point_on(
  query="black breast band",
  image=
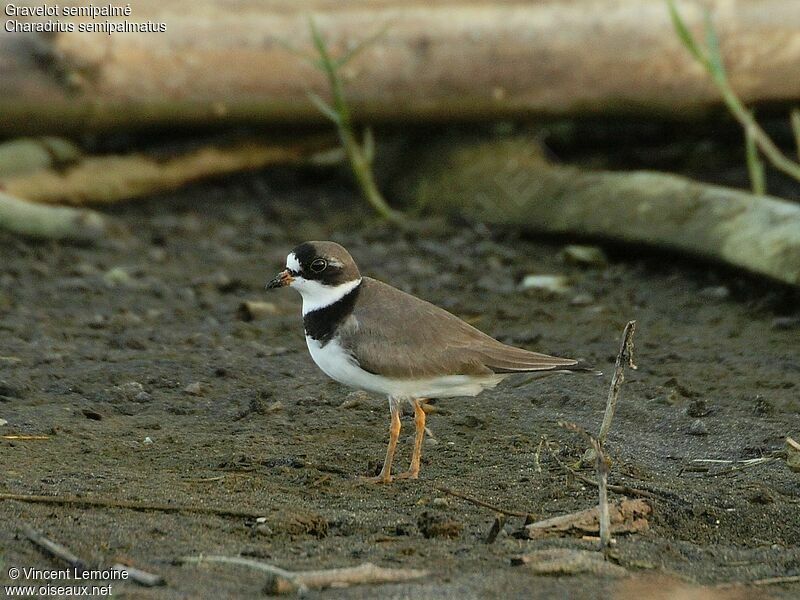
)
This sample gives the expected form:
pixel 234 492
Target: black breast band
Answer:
pixel 321 324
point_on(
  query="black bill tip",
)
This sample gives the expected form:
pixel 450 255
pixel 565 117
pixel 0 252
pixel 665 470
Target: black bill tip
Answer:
pixel 280 280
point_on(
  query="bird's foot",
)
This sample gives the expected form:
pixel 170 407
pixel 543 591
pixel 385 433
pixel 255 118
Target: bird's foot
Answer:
pixel 408 475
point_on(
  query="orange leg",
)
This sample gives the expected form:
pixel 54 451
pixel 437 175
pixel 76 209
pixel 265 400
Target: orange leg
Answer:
pixel 419 422
pixel 385 475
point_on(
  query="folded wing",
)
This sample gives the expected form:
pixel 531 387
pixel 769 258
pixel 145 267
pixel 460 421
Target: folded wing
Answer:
pixel 398 335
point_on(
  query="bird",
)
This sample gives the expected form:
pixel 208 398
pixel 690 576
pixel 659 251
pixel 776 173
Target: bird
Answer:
pixel 369 335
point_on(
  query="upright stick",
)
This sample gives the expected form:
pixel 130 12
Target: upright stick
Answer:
pixel 624 357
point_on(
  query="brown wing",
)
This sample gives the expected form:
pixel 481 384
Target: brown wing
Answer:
pixel 398 335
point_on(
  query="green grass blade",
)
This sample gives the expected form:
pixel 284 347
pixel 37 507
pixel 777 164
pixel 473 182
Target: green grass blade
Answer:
pixel 326 62
pixel 795 120
pixel 299 54
pixel 712 47
pixel 323 107
pixel 355 50
pixel 755 167
pixel 368 145
pixel 686 37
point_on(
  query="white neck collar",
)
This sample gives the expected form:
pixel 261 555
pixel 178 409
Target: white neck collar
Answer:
pixel 316 295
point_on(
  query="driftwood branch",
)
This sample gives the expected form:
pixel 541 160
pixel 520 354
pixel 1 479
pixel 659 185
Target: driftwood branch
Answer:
pixel 50 222
pixel 451 59
pixel 508 182
pixel 281 581
pixel 24 155
pixel 109 179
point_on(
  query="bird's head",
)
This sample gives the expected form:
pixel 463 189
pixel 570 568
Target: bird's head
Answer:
pixel 323 272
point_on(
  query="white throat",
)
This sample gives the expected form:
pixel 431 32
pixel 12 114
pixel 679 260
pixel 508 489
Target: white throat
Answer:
pixel 316 295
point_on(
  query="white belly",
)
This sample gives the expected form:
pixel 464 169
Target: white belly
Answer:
pixel 339 365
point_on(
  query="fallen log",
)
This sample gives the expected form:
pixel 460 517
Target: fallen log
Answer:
pixel 50 222
pixel 508 182
pixel 222 63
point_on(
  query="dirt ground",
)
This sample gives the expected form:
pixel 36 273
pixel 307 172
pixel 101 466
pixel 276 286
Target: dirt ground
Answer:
pixel 133 359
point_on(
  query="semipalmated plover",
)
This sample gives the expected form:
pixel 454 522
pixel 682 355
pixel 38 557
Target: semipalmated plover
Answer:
pixel 371 336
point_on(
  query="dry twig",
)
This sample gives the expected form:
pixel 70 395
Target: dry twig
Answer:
pixel 736 465
pixel 139 576
pixel 483 503
pixel 617 489
pixel 53 548
pixel 63 553
pixel 281 581
pixel 497 527
pixel 129 505
pixel 624 357
pixel 760 582
pixel 601 467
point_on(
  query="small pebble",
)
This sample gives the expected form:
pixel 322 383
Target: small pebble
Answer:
pixel 437 525
pixel 195 389
pixel 697 408
pixel 3 422
pixel 698 428
pixel 251 310
pixel 763 407
pixel 10 390
pixel 793 454
pixel 132 391
pixel 262 351
pixel 762 495
pixel 582 300
pixel 225 284
pixel 784 323
pixel 117 276
pixel 717 292
pixel 557 284
pixel 142 398
pixel 157 255
pixel 148 440
pixel 275 407
pixel 585 256
pixel 440 502
pixel 354 399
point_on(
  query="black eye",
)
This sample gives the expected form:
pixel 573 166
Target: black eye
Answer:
pixel 319 265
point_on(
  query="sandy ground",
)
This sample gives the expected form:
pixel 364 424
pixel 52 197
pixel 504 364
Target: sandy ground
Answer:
pixel 132 359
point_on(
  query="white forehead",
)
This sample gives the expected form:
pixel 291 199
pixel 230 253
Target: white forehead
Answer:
pixel 292 263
